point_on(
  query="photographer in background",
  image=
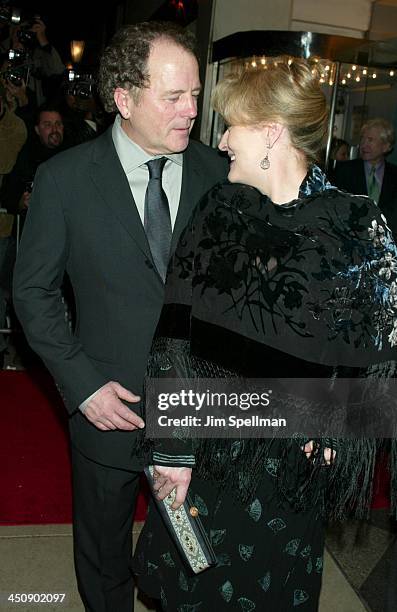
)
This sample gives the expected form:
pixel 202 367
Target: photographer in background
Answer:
pixel 81 112
pixel 46 141
pixel 20 98
pixel 47 66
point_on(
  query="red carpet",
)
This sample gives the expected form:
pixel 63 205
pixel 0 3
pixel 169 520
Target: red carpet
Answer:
pixel 381 497
pixel 34 453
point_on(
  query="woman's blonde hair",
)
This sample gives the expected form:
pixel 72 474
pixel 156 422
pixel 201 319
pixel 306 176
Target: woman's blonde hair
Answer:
pixel 285 90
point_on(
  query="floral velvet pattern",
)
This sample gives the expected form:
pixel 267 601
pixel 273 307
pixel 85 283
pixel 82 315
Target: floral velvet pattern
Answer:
pixel 320 268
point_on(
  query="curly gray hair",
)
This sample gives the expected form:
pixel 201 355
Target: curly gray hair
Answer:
pixel 124 61
pixel 386 130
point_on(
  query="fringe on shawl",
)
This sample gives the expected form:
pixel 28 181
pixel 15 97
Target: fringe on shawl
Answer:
pixel 340 490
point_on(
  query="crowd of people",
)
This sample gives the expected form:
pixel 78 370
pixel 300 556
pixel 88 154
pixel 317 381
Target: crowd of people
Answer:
pixel 183 265
pixel 40 116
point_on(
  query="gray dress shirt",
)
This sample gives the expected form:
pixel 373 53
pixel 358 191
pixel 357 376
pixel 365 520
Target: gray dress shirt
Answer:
pixel 133 159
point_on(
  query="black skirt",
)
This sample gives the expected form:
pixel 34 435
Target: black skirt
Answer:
pixel 269 557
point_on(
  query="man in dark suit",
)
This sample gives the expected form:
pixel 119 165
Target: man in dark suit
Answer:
pixel 91 215
pixel 372 174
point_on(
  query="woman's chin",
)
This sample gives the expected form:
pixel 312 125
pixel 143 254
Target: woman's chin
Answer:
pixel 233 176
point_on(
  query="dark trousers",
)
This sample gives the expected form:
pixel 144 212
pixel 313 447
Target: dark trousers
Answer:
pixel 103 507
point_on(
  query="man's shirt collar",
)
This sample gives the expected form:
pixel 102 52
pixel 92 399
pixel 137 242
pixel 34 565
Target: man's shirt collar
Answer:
pixel 131 155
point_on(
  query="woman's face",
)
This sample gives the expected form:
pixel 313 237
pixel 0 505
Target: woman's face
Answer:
pixel 245 146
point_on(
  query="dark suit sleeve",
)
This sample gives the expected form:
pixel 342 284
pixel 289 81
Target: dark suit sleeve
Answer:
pixel 38 276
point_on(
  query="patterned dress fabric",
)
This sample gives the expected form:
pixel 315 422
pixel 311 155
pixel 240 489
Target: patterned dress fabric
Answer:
pixel 304 289
pixel 269 558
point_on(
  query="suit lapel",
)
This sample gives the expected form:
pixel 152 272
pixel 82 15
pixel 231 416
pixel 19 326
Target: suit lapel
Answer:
pixel 361 179
pixel 108 175
pixel 192 187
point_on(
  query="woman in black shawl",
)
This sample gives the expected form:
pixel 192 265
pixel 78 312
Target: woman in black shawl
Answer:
pixel 278 274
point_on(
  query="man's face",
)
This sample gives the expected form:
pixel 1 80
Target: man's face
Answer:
pixel 50 129
pixel 162 119
pixel 372 147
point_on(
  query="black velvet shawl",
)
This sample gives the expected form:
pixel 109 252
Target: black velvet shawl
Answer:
pixel 306 289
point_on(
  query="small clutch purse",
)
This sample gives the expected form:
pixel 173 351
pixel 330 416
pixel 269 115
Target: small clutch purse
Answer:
pixel 185 528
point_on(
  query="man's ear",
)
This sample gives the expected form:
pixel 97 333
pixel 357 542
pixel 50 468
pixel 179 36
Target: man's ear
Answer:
pixel 122 100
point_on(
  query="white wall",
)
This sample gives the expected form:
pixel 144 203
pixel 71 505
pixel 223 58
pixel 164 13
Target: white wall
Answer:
pixel 242 15
pixel 343 17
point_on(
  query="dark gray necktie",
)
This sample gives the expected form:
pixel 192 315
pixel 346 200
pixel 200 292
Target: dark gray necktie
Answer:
pixel 157 220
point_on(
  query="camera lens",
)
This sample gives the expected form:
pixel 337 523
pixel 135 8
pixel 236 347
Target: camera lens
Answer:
pixel 14 78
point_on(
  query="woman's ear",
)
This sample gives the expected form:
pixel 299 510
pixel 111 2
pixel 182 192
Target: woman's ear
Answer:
pixel 273 131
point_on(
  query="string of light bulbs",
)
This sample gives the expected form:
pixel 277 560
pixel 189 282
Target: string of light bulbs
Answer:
pixel 353 74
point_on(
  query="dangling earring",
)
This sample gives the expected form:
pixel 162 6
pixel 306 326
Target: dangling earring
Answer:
pixel 265 162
